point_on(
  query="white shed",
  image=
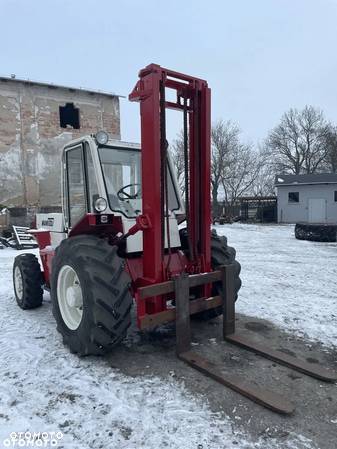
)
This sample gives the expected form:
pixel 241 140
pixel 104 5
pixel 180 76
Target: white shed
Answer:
pixel 307 198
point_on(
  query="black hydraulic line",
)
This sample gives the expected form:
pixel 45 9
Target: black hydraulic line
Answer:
pixel 186 175
pixel 164 186
pixel 162 161
pixel 197 157
pixel 167 211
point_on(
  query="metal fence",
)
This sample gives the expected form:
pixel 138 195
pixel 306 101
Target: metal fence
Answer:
pixel 253 209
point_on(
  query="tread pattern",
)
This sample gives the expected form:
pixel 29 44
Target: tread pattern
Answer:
pixel 106 296
pixel 316 232
pixel 32 280
pixel 221 254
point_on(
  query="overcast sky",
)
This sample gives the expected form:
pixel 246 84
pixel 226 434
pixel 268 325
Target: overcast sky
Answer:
pixel 260 57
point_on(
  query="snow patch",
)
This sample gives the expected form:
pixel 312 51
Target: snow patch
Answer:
pixel 44 388
pixel 289 282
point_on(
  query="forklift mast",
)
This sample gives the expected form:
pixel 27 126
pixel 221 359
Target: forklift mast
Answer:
pixel 193 100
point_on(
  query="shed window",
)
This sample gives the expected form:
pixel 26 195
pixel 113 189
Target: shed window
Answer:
pixel 336 196
pixel 69 115
pixel 293 197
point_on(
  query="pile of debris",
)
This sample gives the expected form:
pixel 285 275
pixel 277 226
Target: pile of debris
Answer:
pixel 18 238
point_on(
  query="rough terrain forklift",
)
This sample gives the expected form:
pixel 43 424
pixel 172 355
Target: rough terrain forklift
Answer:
pixel 126 233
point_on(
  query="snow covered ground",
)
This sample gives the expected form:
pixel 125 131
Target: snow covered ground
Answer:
pixel 44 388
pixel 290 282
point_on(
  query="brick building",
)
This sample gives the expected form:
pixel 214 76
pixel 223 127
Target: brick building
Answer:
pixel 36 120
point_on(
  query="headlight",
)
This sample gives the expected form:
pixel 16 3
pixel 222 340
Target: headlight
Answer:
pixel 100 204
pixel 102 137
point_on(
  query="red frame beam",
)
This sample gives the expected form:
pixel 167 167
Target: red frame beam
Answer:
pixel 148 92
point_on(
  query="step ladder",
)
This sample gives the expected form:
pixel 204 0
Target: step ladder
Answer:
pixel 24 240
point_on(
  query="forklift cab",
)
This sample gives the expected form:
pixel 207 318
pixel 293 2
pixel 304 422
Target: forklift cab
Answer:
pixel 103 176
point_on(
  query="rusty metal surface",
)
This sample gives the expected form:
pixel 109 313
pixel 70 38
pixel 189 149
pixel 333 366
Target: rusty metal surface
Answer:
pixel 183 325
pixel 183 337
pixel 204 278
pixel 268 399
pixel 197 305
pixel 162 288
pixel 310 369
pixel 185 307
pixel 228 300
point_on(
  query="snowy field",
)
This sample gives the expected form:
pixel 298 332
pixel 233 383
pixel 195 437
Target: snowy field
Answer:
pixel 292 283
pixel 44 388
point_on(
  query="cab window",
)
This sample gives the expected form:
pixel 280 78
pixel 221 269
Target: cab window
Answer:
pixel 76 187
pixel 91 177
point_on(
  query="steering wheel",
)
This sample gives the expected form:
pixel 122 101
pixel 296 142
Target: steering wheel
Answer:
pixel 122 195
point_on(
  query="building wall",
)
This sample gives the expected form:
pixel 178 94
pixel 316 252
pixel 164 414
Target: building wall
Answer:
pixel 31 138
pixel 299 212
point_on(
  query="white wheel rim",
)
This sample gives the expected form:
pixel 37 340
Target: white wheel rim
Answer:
pixel 18 283
pixel 69 297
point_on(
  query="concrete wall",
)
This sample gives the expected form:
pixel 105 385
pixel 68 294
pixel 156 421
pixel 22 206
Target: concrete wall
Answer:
pixel 31 138
pixel 299 212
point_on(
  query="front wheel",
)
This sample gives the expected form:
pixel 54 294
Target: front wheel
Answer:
pixel 28 281
pixel 90 295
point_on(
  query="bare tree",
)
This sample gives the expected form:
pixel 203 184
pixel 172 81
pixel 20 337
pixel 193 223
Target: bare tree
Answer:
pixel 331 150
pixel 263 184
pixel 177 155
pixel 298 142
pixel 241 171
pixel 224 139
pixel 235 166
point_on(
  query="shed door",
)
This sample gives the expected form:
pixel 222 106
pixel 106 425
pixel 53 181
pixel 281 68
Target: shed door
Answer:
pixel 317 210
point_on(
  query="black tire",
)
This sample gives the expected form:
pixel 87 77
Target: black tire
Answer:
pixel 3 242
pixel 27 265
pixel 316 232
pixel 105 290
pixel 221 254
pixel 12 243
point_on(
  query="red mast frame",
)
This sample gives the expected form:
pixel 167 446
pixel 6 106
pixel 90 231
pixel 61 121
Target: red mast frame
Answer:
pixel 193 98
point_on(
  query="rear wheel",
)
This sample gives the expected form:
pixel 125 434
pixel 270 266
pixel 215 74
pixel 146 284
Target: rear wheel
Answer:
pixel 221 254
pixel 28 281
pixel 90 295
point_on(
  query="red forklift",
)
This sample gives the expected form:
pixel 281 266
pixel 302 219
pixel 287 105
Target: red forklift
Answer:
pixel 126 234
